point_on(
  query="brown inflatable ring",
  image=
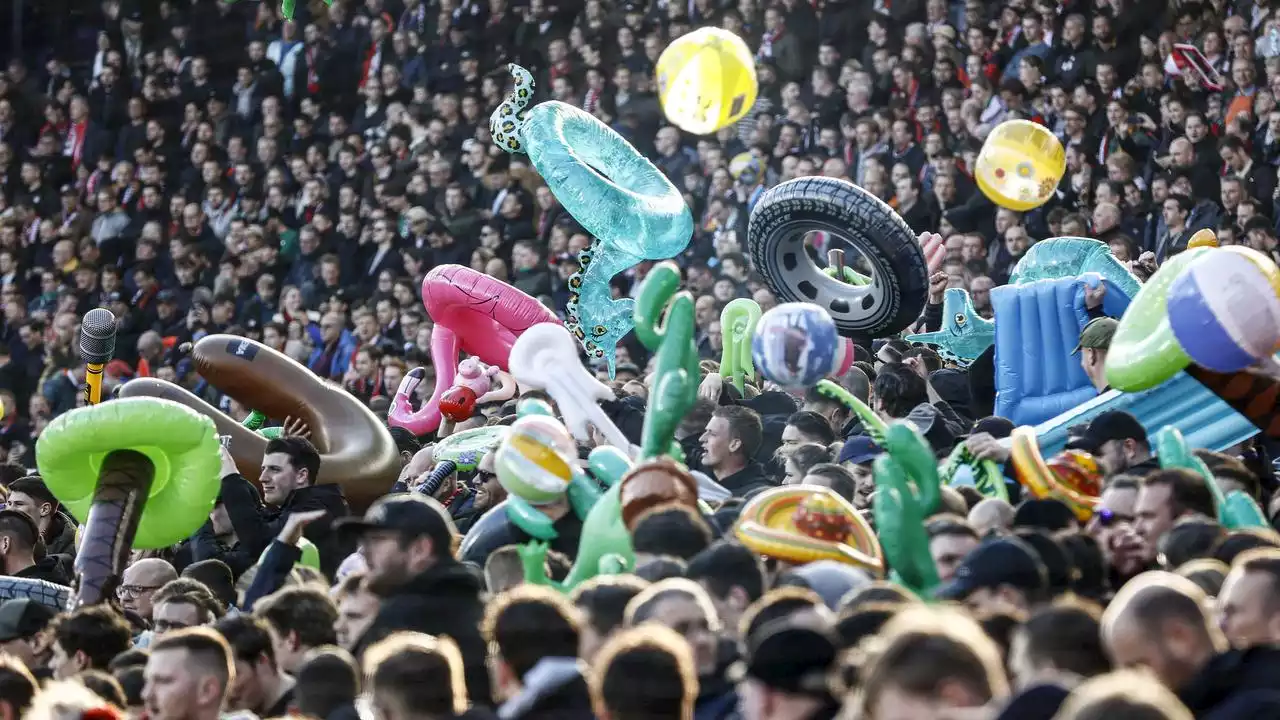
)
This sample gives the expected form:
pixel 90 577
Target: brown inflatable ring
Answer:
pixel 356 450
pixel 247 446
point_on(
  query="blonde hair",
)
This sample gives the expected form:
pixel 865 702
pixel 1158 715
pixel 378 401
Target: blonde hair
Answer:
pixel 66 700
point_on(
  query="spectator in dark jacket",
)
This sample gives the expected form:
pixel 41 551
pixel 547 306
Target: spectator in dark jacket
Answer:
pixel 408 542
pixel 534 631
pixel 289 468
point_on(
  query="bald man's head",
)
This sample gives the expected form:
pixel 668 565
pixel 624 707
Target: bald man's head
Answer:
pixel 991 514
pixel 1183 152
pixel 1161 621
pixel 1106 216
pixel 140 582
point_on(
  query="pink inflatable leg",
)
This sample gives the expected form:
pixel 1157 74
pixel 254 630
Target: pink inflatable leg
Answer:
pixel 444 355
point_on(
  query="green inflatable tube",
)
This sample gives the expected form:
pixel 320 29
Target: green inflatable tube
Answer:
pixel 908 490
pixel 181 443
pixel 605 548
pixel 310 554
pixel 1144 351
pixel 871 422
pixel 987 476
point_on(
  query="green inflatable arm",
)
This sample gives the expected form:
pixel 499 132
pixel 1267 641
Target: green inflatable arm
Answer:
pixel 738 326
pixel 675 387
pixel 1236 510
pixel 908 490
pixel 871 422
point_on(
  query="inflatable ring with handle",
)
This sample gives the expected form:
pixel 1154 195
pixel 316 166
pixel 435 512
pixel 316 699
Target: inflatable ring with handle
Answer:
pixel 1071 477
pixel 803 524
pixel 137 473
pixel 356 449
pixel 786 213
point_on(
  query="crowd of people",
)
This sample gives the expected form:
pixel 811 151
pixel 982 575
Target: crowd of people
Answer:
pixel 200 166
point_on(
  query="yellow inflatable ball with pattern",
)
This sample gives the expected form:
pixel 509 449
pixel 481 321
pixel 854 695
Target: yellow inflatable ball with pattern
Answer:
pixel 706 80
pixel 1020 165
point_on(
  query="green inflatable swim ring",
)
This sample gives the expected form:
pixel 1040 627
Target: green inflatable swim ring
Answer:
pixel 1144 352
pixel 181 443
pixel 310 554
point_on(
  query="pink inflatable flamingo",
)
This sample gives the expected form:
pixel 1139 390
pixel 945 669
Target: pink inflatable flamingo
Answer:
pixel 474 313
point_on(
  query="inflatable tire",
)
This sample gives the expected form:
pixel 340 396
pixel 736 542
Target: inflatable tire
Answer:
pixel 775 239
pixel 181 444
pixel 41 592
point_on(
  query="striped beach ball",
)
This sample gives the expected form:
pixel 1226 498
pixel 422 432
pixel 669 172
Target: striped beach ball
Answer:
pixel 535 461
pixel 1224 309
pixel 796 345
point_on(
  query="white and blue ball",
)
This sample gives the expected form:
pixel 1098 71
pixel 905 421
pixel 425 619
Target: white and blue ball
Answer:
pixel 1224 311
pixel 796 345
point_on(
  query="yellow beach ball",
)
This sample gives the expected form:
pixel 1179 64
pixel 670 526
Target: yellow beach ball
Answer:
pixel 1020 165
pixel 706 80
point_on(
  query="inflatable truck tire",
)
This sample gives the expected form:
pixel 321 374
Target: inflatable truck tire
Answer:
pixel 775 239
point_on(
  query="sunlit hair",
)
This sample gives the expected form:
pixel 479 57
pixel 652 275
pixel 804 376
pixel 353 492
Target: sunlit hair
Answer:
pixel 645 673
pixel 642 606
pixel 70 700
pixel 422 672
pixel 1129 694
pixel 923 647
pixel 777 603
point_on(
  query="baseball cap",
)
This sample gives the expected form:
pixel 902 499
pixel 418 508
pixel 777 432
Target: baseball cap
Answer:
pixel 1097 334
pixel 23 617
pixel 411 514
pixel 1107 426
pixel 167 296
pixel 859 449
pixel 792 654
pixel 996 562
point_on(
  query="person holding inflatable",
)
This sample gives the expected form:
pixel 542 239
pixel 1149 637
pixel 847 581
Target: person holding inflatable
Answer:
pixel 1095 341
pixel 289 468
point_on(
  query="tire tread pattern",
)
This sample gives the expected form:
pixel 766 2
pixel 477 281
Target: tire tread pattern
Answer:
pixel 829 204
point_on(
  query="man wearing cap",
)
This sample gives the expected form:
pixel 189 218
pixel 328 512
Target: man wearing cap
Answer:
pixel 22 620
pixel 1119 441
pixel 856 456
pixel 1095 341
pixel 1001 574
pixel 784 672
pixel 408 542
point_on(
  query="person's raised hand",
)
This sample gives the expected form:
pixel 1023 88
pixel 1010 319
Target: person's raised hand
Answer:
pixel 295 426
pixel 294 525
pixel 1093 295
pixel 710 387
pixel 984 446
pixel 935 250
pixel 938 287
pixel 228 462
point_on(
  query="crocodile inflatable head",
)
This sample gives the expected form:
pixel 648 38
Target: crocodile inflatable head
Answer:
pixel 964 335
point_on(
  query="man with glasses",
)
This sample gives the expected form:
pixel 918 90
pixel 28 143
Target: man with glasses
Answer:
pixel 140 582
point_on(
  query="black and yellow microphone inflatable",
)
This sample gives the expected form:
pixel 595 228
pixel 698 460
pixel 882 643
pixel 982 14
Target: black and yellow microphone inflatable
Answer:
pixel 97 345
